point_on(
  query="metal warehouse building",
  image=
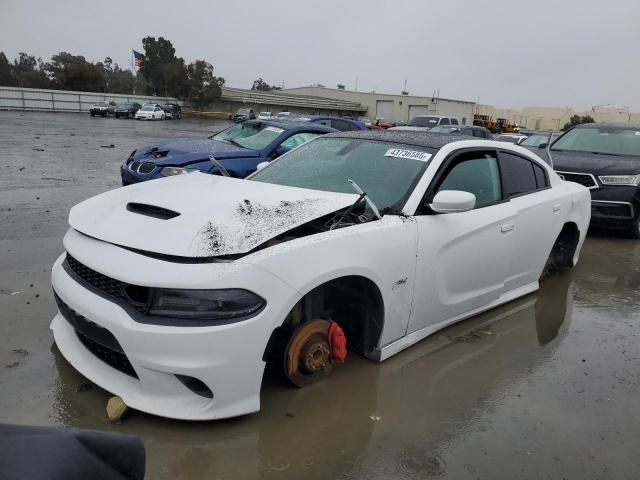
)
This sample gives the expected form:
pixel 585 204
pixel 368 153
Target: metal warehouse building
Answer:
pixel 282 100
pixel 395 108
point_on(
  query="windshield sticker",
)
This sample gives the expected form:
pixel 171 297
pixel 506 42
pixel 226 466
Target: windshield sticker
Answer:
pixel 274 129
pixel 411 154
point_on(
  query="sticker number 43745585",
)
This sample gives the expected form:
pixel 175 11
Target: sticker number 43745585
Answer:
pixel 412 154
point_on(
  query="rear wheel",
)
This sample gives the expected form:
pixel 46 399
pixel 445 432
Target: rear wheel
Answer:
pixel 93 114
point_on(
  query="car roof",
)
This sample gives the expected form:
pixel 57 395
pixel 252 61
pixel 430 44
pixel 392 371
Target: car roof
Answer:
pixel 289 124
pixel 407 137
pixel 611 125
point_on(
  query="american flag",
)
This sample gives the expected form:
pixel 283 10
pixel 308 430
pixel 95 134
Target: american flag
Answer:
pixel 137 58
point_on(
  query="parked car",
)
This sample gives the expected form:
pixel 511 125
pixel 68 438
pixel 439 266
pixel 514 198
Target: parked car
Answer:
pixel 239 149
pixel 174 294
pixel 535 139
pixel 150 112
pixel 102 108
pixel 471 131
pixel 283 115
pixel 244 114
pixel 426 122
pixel 514 138
pixel 605 158
pixel 264 116
pixel 126 110
pixel 341 124
pixel 172 111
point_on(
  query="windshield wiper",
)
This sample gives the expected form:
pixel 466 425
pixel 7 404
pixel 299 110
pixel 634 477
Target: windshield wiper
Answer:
pixel 605 153
pixel 216 163
pixel 357 188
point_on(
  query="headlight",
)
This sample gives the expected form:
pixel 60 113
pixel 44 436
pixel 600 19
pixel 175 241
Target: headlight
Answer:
pixel 628 180
pixel 205 304
pixel 171 171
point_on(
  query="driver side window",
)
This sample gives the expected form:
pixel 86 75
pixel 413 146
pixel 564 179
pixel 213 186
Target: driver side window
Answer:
pixel 297 140
pixel 477 173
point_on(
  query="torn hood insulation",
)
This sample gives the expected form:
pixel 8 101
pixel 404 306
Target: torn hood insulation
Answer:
pixel 201 215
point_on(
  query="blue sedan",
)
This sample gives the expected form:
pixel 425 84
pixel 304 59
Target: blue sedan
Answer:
pixel 239 149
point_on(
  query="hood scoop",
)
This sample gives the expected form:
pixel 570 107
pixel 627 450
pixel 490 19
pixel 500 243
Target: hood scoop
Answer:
pixel 151 211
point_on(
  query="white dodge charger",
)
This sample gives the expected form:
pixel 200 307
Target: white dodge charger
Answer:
pixel 175 293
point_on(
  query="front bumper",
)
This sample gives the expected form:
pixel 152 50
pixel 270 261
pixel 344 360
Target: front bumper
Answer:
pixel 226 358
pixel 614 206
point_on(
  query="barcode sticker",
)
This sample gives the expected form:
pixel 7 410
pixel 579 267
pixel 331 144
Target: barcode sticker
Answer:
pixel 411 154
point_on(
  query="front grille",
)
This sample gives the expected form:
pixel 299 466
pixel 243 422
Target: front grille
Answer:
pixel 584 179
pixel 107 287
pixel 98 340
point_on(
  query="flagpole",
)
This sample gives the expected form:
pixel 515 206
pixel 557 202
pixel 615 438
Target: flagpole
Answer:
pixel 133 70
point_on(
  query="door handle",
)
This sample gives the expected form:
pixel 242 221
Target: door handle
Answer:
pixel 556 208
pixel 507 227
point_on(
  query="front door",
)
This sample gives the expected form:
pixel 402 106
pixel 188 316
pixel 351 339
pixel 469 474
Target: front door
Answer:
pixel 463 257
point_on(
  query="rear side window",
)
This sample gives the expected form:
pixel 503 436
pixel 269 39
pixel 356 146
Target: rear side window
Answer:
pixel 518 175
pixel 343 126
pixel 444 121
pixel 541 176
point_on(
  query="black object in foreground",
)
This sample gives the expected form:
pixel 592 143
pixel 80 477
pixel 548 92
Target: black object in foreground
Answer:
pixel 37 453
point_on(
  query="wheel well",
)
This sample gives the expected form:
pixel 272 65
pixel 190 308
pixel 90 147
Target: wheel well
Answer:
pixel 354 302
pixel 564 248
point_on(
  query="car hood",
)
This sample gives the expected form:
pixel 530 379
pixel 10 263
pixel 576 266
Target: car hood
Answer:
pixel 594 163
pixel 212 215
pixel 182 151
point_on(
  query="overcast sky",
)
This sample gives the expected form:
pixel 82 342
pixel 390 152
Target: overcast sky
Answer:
pixel 575 53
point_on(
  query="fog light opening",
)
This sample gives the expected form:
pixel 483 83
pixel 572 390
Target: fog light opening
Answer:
pixel 196 386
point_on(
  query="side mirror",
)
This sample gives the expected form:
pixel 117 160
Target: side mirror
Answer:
pixel 261 165
pixel 280 151
pixel 543 145
pixel 453 201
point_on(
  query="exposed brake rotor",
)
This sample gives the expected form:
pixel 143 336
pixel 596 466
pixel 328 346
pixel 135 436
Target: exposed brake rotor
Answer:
pixel 309 357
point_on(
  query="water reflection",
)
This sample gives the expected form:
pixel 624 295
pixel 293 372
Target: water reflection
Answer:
pixel 368 420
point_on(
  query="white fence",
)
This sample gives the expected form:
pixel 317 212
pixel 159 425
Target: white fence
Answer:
pixel 15 98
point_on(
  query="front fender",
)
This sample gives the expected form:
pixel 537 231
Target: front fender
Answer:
pixel 383 251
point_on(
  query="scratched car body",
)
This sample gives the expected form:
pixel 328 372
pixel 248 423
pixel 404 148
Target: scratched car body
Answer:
pixel 175 294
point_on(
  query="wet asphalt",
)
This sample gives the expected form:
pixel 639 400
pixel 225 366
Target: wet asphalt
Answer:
pixel 547 386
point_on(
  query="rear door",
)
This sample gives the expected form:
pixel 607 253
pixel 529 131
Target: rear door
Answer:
pixel 461 263
pixel 538 207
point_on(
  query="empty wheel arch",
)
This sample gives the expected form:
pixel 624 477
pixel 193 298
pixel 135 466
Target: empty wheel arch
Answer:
pixel 353 302
pixel 564 249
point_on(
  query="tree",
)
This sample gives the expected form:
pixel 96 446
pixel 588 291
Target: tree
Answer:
pixel 204 87
pixel 261 85
pixel 73 72
pixel 108 73
pixel 7 77
pixel 176 79
pixel 122 81
pixel 577 120
pixel 29 72
pixel 163 72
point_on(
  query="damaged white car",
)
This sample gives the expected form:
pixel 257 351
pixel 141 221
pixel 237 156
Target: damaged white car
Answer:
pixel 174 294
